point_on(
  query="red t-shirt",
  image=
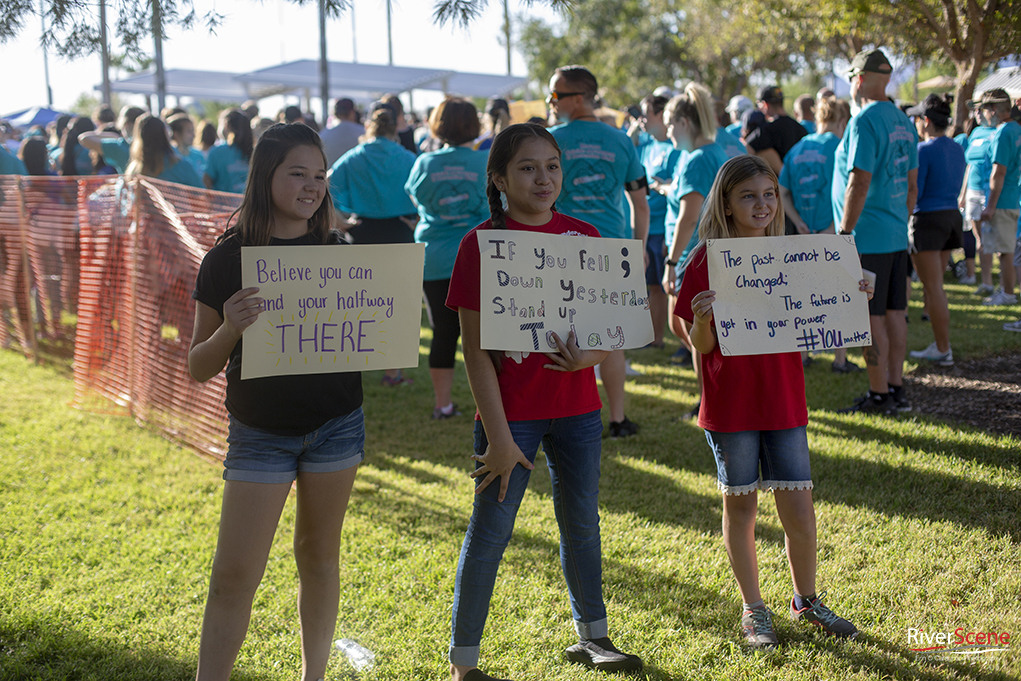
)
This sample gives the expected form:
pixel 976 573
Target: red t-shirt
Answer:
pixel 528 390
pixel 745 392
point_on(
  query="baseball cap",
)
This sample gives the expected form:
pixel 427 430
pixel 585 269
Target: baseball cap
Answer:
pixel 933 107
pixel 771 94
pixel 739 104
pixel 663 91
pixel 872 61
pixel 994 96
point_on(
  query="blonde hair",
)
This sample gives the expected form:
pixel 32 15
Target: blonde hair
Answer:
pixel 831 110
pixel 716 224
pixel 695 104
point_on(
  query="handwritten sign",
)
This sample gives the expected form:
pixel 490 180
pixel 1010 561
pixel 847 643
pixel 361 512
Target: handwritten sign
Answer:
pixel 333 308
pixel 787 294
pixel 536 284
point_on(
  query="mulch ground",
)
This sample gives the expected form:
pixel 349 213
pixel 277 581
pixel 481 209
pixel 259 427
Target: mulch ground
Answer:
pixel 984 393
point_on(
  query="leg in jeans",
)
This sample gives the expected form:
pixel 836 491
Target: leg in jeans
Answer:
pixel 489 532
pixel 573 448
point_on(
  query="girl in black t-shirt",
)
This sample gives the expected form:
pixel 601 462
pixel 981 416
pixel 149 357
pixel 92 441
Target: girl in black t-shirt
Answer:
pixel 308 428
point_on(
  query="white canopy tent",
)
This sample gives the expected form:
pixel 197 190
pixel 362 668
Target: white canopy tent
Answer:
pixel 1008 78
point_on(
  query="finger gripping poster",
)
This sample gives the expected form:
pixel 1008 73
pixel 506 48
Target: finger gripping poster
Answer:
pixel 536 284
pixel 332 308
pixel 787 294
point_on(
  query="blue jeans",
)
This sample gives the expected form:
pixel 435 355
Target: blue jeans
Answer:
pixel 573 446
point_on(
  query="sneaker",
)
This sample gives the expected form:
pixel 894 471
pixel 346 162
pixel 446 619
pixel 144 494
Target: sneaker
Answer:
pixel 1013 326
pixel 871 404
pixel 900 402
pixel 623 428
pixel 1000 298
pixel 960 270
pixel 926 317
pixel 967 281
pixel 984 290
pixel 682 356
pixel 479 675
pixel 932 354
pixel 848 367
pixel 630 370
pixel 399 379
pixel 440 415
pixel 757 629
pixel 824 618
pixel 601 654
pixel 693 413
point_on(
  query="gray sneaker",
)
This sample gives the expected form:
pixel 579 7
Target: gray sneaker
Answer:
pixel 824 618
pixel 984 290
pixel 1012 326
pixel 932 354
pixel 757 629
pixel 601 654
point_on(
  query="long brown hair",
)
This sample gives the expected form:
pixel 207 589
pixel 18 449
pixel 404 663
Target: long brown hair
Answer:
pixel 151 152
pixel 254 218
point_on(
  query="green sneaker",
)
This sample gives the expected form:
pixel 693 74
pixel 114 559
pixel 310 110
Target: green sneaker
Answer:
pixel 757 629
pixel 824 618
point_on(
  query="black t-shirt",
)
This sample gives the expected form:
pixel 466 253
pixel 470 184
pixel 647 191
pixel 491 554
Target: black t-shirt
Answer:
pixel 407 140
pixel 780 134
pixel 283 405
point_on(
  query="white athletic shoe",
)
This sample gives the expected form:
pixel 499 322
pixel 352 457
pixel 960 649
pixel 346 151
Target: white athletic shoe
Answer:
pixel 932 354
pixel 1000 298
pixel 1013 326
pixel 967 281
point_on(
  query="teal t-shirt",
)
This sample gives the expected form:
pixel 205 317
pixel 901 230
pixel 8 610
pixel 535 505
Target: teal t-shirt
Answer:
pixel 734 129
pixel 181 172
pixel 195 158
pixel 977 154
pixel 598 161
pixel 369 180
pixel 808 174
pixel 659 160
pixel 227 168
pixel 697 175
pixel 809 126
pixel 11 164
pixel 449 187
pixel 730 144
pixel 116 152
pixel 880 140
pixel 1006 151
pixel 83 161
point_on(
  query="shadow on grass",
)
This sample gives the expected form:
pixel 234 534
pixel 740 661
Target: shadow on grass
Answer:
pixel 38 649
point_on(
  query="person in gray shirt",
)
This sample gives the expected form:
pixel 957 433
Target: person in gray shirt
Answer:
pixel 343 136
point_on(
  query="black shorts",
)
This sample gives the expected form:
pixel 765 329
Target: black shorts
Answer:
pixel 654 272
pixel 940 230
pixel 891 281
pixel 381 231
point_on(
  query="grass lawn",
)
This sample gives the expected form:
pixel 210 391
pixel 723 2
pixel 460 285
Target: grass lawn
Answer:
pixel 107 533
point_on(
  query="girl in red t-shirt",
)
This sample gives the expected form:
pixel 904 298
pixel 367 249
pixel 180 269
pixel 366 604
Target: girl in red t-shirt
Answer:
pixel 754 413
pixel 525 400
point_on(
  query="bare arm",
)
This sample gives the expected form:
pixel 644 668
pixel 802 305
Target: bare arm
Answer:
pixel 854 199
pixel 639 213
pixel 213 339
pixel 912 190
pixel 792 212
pixel 93 141
pixel 691 205
pixel 502 455
pixel 771 157
pixel 703 332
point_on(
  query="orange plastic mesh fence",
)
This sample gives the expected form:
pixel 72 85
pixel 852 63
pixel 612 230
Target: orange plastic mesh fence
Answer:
pixel 113 262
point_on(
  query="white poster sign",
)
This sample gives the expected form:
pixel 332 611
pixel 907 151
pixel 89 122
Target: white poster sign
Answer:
pixel 535 284
pixel 787 294
pixel 333 308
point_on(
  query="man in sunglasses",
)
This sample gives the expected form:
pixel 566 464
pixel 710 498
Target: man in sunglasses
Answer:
pixel 601 167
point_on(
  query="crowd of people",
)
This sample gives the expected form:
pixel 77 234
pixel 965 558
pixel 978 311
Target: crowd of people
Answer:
pixel 686 168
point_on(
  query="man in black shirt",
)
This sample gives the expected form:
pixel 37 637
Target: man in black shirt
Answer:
pixel 772 141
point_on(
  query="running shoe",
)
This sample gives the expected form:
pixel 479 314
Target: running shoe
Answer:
pixel 824 618
pixel 871 404
pixel 932 354
pixel 601 654
pixel 967 281
pixel 900 402
pixel 440 415
pixel 1013 326
pixel 1000 298
pixel 984 290
pixel 757 629
pixel 848 367
pixel 399 379
pixel 623 428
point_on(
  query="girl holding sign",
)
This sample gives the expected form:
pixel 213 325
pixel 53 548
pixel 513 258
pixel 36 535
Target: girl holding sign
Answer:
pixel 308 427
pixel 754 413
pixel 525 400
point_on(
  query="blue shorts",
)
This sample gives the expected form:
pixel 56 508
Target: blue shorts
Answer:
pixel 257 456
pixel 654 272
pixel 780 455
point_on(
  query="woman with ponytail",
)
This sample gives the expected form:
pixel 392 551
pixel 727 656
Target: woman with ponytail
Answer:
pixel 227 166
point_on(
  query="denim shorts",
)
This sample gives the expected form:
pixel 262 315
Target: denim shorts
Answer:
pixel 780 455
pixel 254 455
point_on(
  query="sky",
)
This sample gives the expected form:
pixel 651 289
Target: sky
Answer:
pixel 255 35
